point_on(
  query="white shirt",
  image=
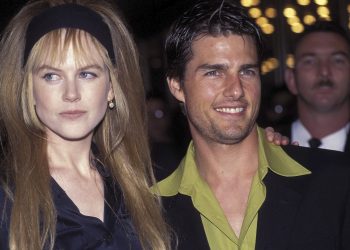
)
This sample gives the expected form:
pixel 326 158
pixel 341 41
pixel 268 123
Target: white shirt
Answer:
pixel 334 141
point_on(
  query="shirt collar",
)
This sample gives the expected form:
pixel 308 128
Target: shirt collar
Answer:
pixel 278 161
pixel 334 141
pixel 186 177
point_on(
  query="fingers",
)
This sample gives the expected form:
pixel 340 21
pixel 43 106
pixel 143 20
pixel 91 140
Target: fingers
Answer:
pixel 296 143
pixel 275 137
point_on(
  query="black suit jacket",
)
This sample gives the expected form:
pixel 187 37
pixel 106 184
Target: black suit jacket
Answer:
pixel 310 212
pixel 287 131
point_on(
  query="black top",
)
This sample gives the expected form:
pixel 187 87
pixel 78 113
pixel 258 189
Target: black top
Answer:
pixel 77 231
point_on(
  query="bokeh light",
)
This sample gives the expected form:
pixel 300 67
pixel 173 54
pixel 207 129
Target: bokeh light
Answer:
pixel 321 2
pixel 261 21
pixel 289 12
pixel 267 28
pixel 271 12
pixel 255 2
pixel 293 20
pixel 303 2
pixel 297 28
pixel 246 3
pixel 309 19
pixel 323 11
pixel 254 12
pixel 290 61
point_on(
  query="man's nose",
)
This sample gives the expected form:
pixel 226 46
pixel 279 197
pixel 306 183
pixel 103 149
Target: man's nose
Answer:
pixel 233 88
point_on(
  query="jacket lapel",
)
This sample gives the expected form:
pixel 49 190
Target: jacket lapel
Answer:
pixel 277 214
pixel 186 222
pixel 347 144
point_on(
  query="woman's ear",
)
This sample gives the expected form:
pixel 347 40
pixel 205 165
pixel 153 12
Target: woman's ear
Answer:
pixel 110 96
pixel 176 89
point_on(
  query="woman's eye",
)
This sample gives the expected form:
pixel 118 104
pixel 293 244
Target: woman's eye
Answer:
pixel 87 75
pixel 51 77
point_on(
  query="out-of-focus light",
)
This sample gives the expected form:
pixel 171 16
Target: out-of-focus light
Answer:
pixel 321 2
pixel 246 3
pixel 290 61
pixel 348 8
pixel 289 12
pixel 323 11
pixel 255 2
pixel 297 28
pixel 303 2
pixel 293 20
pixel 261 21
pixel 327 18
pixel 264 69
pixel 273 62
pixel 271 12
pixel 309 19
pixel 255 12
pixel 267 28
pixel 278 109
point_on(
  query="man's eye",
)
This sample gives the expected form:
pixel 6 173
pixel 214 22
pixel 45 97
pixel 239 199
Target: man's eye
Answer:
pixel 248 72
pixel 340 60
pixel 87 75
pixel 51 77
pixel 212 73
pixel 308 61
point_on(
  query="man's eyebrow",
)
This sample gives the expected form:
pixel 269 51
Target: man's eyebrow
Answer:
pixel 250 66
pixel 342 53
pixel 339 52
pixel 217 66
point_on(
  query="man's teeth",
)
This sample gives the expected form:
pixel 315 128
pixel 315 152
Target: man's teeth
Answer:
pixel 230 110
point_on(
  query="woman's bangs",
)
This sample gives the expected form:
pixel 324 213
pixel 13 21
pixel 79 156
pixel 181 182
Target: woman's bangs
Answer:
pixel 52 48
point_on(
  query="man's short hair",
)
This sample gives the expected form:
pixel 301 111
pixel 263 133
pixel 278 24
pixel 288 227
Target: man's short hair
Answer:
pixel 208 17
pixel 322 26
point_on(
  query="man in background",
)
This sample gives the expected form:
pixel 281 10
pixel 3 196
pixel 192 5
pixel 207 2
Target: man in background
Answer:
pixel 320 80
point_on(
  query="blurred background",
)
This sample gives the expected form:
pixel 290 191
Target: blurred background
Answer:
pixel 148 20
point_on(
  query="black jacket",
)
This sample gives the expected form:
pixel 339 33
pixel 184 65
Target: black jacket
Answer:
pixel 310 212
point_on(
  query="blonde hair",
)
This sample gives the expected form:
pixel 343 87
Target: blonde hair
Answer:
pixel 120 138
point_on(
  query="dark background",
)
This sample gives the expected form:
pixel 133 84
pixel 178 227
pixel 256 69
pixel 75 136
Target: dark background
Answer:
pixel 148 21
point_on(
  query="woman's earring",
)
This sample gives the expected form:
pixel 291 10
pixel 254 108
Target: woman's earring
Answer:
pixel 111 104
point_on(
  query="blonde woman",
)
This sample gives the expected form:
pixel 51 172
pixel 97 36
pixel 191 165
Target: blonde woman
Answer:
pixel 76 169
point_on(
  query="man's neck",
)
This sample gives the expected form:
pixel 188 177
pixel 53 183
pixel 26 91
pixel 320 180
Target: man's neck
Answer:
pixel 229 171
pixel 322 124
pixel 221 161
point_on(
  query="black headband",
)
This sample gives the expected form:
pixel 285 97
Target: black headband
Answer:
pixel 68 16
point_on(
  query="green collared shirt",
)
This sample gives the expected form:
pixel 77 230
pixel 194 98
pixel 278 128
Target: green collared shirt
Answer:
pixel 187 181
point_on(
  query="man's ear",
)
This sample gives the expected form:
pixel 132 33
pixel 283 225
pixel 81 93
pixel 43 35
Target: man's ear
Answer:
pixel 176 89
pixel 289 78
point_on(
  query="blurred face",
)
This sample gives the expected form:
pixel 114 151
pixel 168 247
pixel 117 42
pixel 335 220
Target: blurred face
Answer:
pixel 221 89
pixel 71 98
pixel 322 72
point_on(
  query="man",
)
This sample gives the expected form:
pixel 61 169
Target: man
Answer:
pixel 233 190
pixel 321 82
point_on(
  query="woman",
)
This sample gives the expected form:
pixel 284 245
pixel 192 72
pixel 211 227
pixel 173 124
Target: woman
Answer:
pixel 76 167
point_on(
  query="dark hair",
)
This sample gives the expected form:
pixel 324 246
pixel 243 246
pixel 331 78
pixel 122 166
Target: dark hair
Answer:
pixel 208 17
pixel 322 26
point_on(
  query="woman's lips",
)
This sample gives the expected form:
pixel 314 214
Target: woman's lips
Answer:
pixel 72 114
